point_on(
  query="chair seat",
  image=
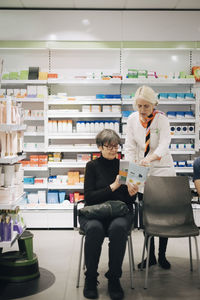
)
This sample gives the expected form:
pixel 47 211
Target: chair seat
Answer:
pixel 173 232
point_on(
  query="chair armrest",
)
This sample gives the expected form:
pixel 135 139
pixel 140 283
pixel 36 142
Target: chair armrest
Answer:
pixel 75 213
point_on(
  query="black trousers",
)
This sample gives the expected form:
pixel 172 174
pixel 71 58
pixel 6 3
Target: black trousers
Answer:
pixel 96 230
pixel 162 241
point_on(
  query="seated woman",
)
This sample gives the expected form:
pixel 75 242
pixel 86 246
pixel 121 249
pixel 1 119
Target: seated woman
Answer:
pixel 102 184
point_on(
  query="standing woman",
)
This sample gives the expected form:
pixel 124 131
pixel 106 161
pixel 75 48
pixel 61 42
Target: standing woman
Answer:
pixel 147 143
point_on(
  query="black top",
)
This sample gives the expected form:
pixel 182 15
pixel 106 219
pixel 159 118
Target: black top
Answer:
pixel 99 174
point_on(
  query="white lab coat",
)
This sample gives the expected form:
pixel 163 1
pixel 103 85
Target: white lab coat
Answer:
pixel 159 143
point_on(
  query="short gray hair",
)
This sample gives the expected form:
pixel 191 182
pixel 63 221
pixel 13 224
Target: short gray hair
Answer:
pixel 108 136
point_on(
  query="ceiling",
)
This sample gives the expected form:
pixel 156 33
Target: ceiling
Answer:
pixel 101 4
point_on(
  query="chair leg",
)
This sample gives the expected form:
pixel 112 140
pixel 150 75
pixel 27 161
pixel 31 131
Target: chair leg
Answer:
pixel 131 260
pixel 147 261
pixel 197 254
pixel 190 251
pixel 143 251
pixel 80 260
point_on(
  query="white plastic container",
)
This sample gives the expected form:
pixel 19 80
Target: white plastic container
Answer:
pixel 8 110
pixel 9 175
pixel 116 126
pixel 54 126
pixel 92 129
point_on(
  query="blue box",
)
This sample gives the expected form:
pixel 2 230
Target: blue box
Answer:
pixel 29 180
pixel 52 197
pixel 100 96
pixel 62 196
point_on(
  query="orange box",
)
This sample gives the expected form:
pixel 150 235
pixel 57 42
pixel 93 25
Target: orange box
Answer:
pixel 76 196
pixel 52 75
pixel 39 180
pixel 34 158
pixel 43 159
pixel 81 197
pixel 33 164
pixel 70 180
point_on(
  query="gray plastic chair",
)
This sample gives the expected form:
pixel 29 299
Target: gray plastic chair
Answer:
pixel 82 233
pixel 167 212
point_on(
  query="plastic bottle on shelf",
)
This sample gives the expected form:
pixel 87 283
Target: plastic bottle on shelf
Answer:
pixel 92 126
pixel 96 126
pixel 54 126
pixel 101 125
pixel 107 125
pixel 70 125
pixel 116 126
pixel 8 110
pixel 65 126
pixel 82 126
pixel 50 126
pixel 78 126
pixel 60 126
pixel 87 126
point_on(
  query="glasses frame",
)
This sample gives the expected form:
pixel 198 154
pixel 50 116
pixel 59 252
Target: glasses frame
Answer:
pixel 108 147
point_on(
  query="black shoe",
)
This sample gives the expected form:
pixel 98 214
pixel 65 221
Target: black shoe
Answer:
pixel 115 290
pixel 163 262
pixel 152 262
pixel 90 288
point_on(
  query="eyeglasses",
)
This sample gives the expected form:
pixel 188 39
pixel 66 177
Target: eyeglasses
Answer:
pixel 111 147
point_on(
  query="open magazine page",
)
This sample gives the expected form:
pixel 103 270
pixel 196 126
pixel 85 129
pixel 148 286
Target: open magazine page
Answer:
pixel 133 173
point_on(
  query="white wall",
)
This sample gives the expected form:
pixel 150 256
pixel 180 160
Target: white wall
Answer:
pixel 100 25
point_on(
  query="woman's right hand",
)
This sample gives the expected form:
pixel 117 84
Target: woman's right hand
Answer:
pixel 132 189
pixel 115 185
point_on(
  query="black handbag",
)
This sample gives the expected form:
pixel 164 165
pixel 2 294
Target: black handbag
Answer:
pixel 108 209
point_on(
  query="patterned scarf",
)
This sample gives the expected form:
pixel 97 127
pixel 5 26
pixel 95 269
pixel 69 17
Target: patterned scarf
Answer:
pixel 148 122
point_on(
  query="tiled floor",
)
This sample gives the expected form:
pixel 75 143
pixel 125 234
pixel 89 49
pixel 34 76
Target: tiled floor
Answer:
pixel 58 252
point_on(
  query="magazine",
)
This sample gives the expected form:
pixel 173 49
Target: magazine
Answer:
pixel 132 173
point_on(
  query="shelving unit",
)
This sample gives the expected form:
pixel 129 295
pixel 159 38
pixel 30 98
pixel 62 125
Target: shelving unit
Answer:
pixel 8 128
pixel 81 92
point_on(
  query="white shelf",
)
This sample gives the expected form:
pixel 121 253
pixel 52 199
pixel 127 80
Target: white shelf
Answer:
pixel 20 82
pixel 47 206
pixel 165 102
pixel 67 114
pixel 13 204
pixel 184 169
pixel 60 148
pixel 82 102
pixel 67 164
pixel 85 81
pixel 183 136
pixel 31 99
pixel 53 186
pixel 190 120
pixel 34 150
pixel 33 133
pixel 35 186
pixel 71 136
pixel 158 81
pixel 35 168
pixel 182 152
pixel 176 102
pixel 12 159
pixel 34 119
pixel 12 127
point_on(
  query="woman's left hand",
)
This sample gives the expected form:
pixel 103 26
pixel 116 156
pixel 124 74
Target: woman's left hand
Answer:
pixel 132 189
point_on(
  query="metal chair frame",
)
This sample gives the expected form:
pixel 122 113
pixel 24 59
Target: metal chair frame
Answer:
pixel 130 250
